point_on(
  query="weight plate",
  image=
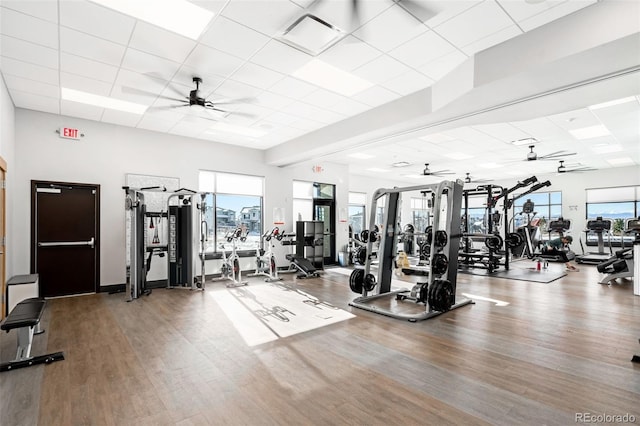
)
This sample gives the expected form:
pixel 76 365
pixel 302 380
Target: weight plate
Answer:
pixel 355 280
pixel 369 282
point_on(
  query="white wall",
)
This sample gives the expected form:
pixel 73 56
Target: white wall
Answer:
pixel 7 152
pixel 108 152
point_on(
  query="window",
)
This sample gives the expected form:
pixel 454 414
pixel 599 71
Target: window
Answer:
pixel 237 202
pixel 357 211
pixel 617 204
pixel 420 211
pixel 380 204
pixel 547 207
pixel 302 200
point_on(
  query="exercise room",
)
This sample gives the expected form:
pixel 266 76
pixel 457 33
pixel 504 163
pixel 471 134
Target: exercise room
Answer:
pixel 319 212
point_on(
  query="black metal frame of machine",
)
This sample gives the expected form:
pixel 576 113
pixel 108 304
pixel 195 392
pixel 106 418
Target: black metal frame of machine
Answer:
pixel 438 294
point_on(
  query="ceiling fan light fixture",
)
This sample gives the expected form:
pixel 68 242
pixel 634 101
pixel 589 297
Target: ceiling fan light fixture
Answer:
pixel 311 34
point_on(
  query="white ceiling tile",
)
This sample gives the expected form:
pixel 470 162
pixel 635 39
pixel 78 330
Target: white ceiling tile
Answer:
pixel 35 102
pixel 540 128
pixel 408 82
pixel 19 25
pixel 311 112
pixel 28 52
pixel 422 49
pixel 43 9
pixel 160 42
pixel 90 85
pixel 376 96
pixel 339 13
pixel 30 71
pixel 248 112
pixel 391 28
pixel 96 20
pixel 157 123
pixel 15 83
pixel 184 79
pixel 120 117
pixel 144 63
pixel 350 107
pixel 554 13
pixel 349 53
pixel 257 75
pixel 282 118
pixel 381 69
pixel 145 88
pixel 438 11
pixel 213 5
pixel 293 88
pixel 323 98
pixel 443 66
pixel 491 40
pixel 212 61
pixel 521 10
pixel 474 24
pixel 77 43
pixel 86 67
pixel 269 17
pixel 76 109
pixel 280 57
pixel 231 37
pixel 503 131
pixel 234 89
pixel 273 100
pixel 307 124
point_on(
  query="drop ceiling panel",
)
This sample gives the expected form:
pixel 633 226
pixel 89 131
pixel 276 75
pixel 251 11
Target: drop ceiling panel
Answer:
pixel 323 98
pixel 157 41
pixel 306 124
pixel 268 17
pixel 85 84
pixel 554 13
pixel 381 69
pixel 138 82
pixel 15 83
pixel 422 49
pixel 80 44
pixel 96 20
pixel 257 75
pixel 349 54
pixel 30 71
pixel 491 40
pixel 157 123
pixel 75 109
pixel 293 88
pixel 86 67
pixel 280 57
pixel 35 102
pixel 375 96
pixel 300 109
pixel 144 63
pixel 273 100
pixel 442 66
pixel 339 13
pixel 521 10
pixel 43 9
pixel 120 117
pixel 28 52
pixel 350 107
pixel 502 131
pixel 408 82
pixel 19 25
pixel 282 118
pixel 475 23
pixel 444 10
pixel 231 37
pixel 390 29
pixel 209 60
pixel 232 89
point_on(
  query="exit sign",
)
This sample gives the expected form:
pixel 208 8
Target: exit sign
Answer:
pixel 69 133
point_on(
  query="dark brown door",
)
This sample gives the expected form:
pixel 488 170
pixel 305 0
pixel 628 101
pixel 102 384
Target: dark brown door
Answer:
pixel 64 248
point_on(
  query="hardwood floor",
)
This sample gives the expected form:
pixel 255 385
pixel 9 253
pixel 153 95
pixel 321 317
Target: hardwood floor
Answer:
pixel 175 358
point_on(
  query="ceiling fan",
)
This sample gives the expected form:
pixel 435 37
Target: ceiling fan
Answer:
pixel 533 156
pixel 563 169
pixel 469 179
pixel 428 172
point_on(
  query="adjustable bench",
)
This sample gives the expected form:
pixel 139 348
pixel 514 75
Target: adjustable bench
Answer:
pixel 25 317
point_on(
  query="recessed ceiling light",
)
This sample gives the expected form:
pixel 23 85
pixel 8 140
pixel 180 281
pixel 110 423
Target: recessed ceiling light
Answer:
pixel 101 101
pixel 620 161
pixel 490 165
pixel 612 103
pixel 458 156
pixel 375 169
pixel 360 156
pixel 605 149
pixel 525 141
pixel 331 78
pixel 590 132
pixel 238 130
pixel 179 16
pixel 401 164
pixel 312 34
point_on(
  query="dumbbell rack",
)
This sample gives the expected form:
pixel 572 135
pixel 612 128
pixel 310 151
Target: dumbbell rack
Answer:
pixel 438 294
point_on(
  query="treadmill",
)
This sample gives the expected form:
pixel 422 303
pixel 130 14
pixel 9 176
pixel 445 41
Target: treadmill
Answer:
pixel 598 226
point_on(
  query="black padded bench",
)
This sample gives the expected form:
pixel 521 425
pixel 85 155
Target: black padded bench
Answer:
pixel 25 317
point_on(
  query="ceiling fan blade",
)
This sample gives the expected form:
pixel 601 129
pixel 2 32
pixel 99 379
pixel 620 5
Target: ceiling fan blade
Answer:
pixel 417 9
pixel 556 155
pixel 166 107
pixel 232 101
pixel 210 107
pixel 355 15
pixel 135 91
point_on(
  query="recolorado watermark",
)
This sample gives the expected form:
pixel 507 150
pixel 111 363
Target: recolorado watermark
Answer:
pixel 604 418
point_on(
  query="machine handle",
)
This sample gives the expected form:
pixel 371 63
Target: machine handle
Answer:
pixel 89 243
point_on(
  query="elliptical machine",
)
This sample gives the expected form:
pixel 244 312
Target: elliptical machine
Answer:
pixel 266 260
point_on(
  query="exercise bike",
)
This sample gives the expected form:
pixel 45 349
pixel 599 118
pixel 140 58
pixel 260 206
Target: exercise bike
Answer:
pixel 266 260
pixel 230 269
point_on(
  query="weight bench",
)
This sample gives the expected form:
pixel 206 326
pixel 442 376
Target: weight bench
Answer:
pixel 25 317
pixel 304 267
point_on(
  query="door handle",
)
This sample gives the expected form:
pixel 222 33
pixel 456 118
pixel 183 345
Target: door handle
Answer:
pixel 89 243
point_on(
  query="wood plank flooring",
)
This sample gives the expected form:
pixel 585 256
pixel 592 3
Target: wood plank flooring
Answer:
pixel 174 358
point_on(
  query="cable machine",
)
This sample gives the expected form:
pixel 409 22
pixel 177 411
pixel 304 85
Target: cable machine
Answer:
pixel 438 294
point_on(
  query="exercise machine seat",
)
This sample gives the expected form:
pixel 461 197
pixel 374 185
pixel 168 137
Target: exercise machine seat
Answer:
pixel 26 313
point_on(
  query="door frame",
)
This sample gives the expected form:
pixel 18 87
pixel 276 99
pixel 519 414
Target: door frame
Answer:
pixel 34 242
pixel 3 237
